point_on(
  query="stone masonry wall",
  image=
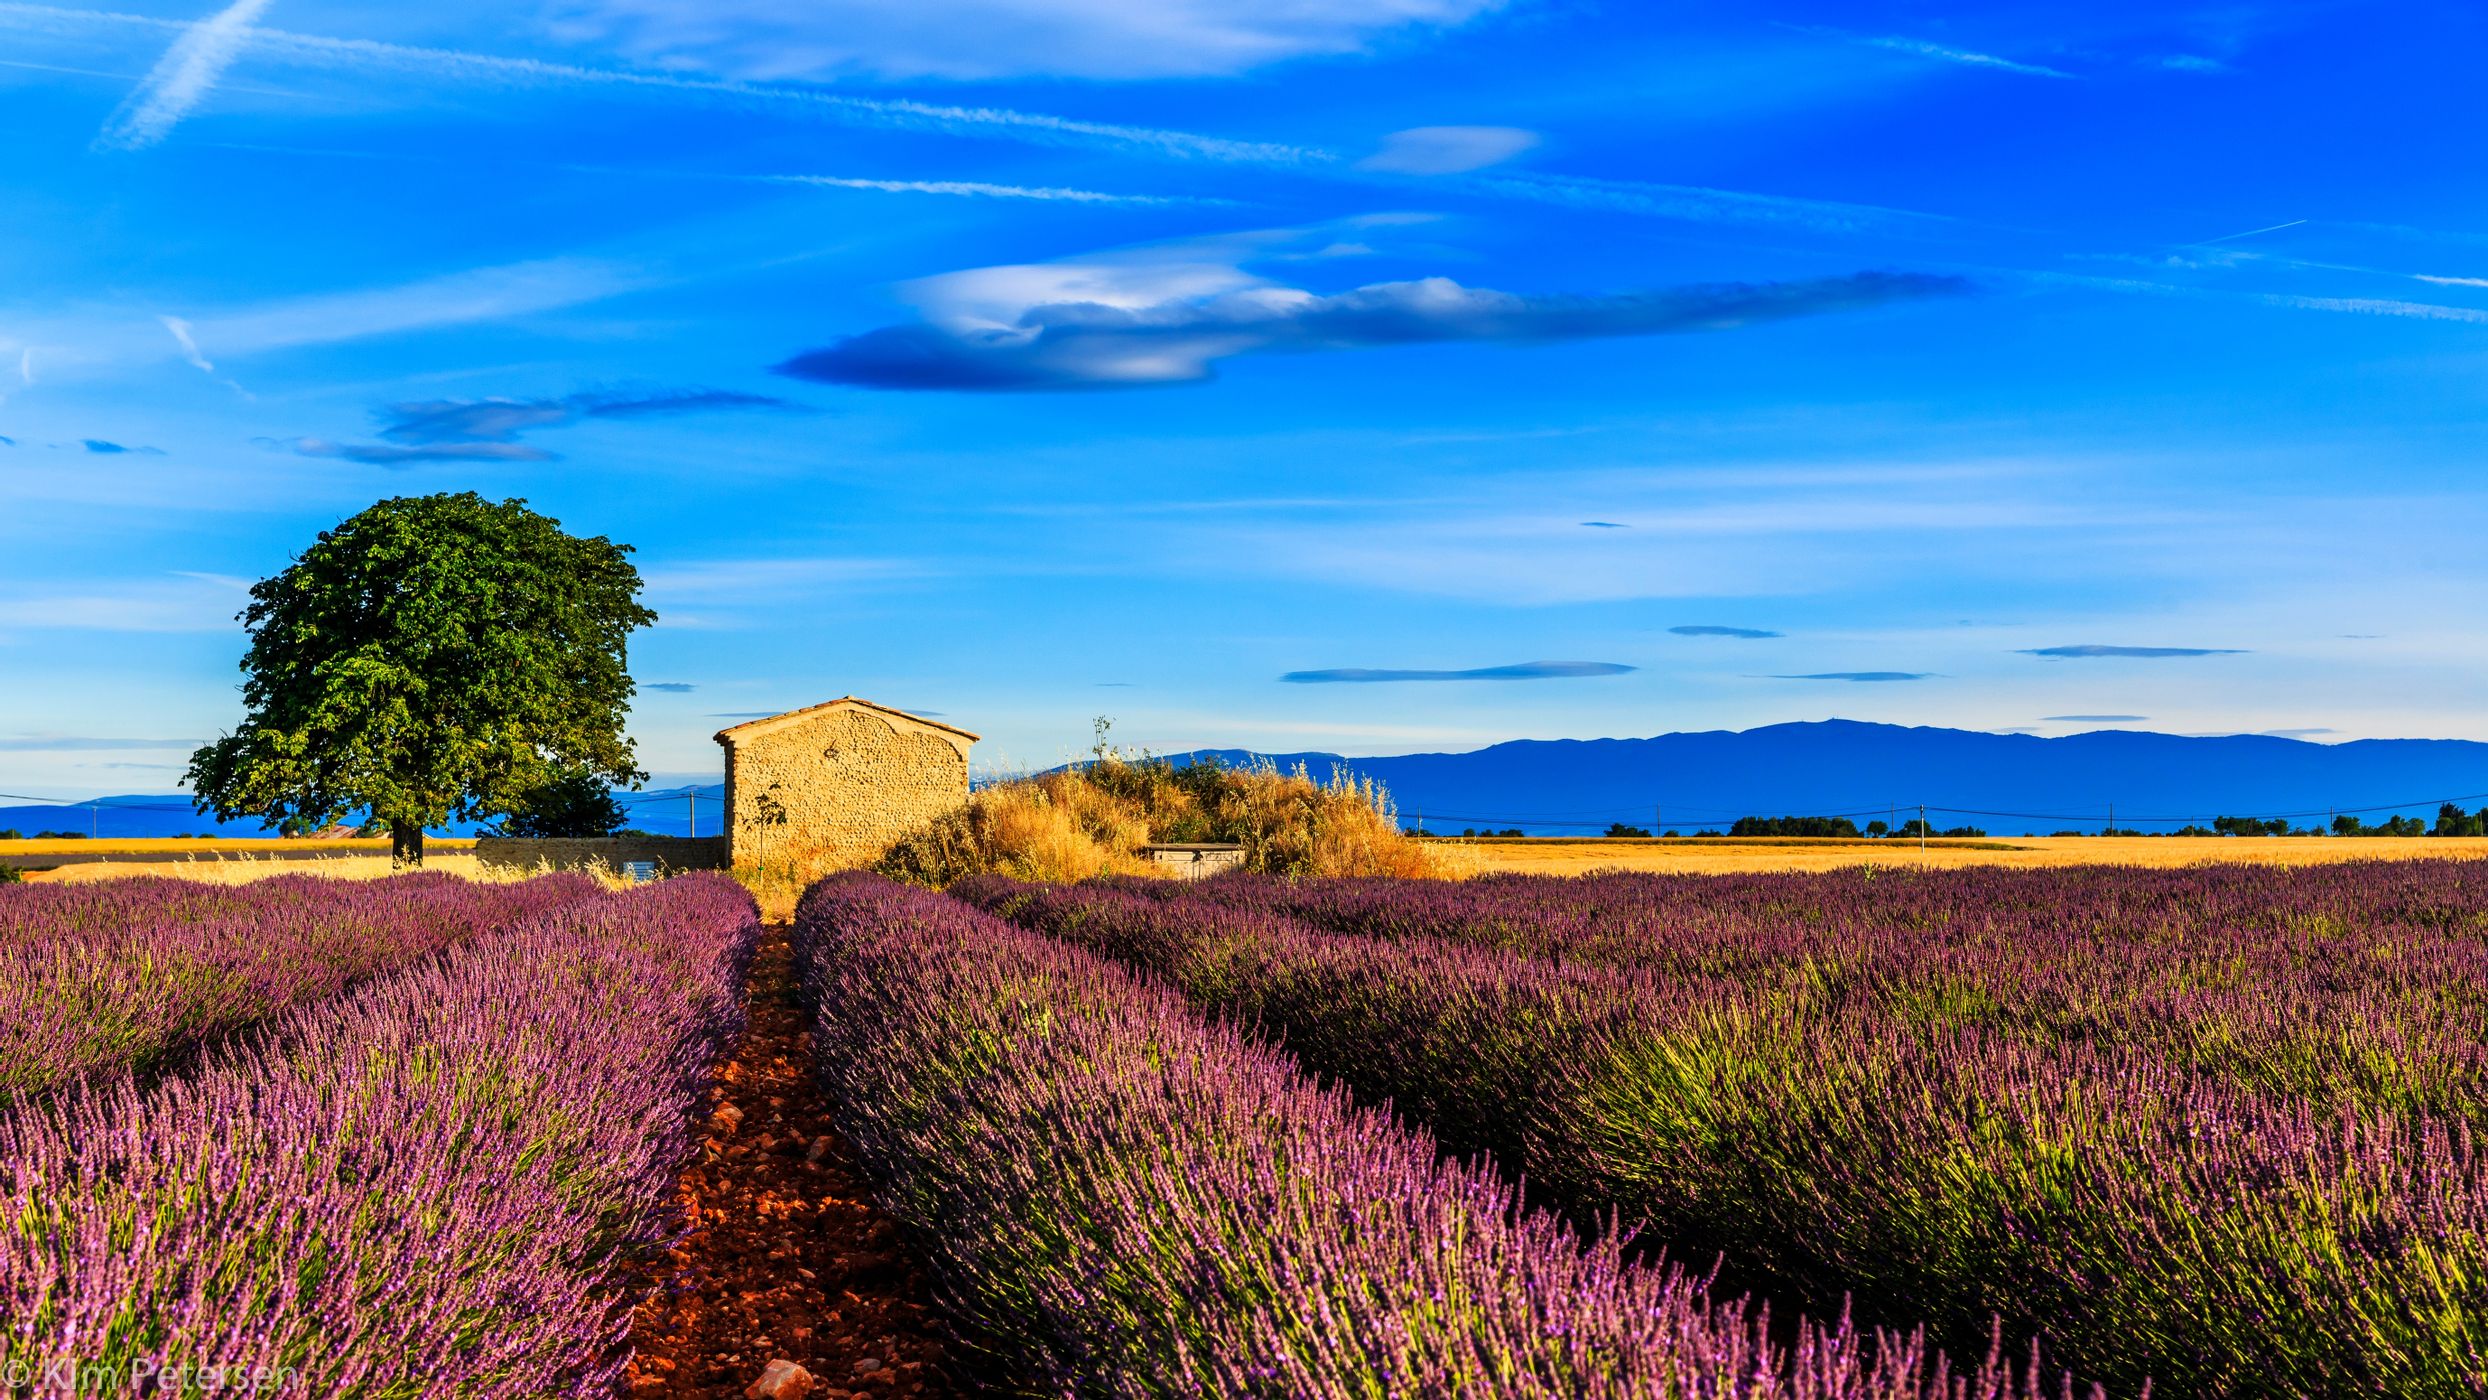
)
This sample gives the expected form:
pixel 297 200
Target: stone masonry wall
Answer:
pixel 850 782
pixel 572 853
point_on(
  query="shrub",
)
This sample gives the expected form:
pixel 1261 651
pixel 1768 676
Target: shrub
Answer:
pixel 1076 823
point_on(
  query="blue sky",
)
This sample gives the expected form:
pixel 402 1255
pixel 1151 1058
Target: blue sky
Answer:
pixel 1367 375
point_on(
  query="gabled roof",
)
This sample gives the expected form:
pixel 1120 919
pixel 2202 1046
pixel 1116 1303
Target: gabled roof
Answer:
pixel 751 729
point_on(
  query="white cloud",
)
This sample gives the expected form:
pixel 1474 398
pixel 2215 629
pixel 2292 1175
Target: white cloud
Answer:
pixel 1168 315
pixel 182 78
pixel 1448 150
pixel 973 39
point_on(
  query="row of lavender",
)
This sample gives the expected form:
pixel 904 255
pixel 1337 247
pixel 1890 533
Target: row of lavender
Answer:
pixel 443 1182
pixel 133 974
pixel 2361 986
pixel 1123 1198
pixel 2152 1221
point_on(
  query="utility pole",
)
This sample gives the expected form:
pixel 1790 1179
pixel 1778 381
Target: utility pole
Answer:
pixel 1922 833
pixel 2112 816
pixel 1658 819
pixel 91 818
pixel 691 811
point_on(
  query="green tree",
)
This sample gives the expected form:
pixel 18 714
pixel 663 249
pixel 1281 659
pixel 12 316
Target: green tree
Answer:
pixel 435 658
pixel 574 803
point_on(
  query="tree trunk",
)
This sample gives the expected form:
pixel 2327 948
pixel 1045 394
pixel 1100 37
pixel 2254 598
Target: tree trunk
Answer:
pixel 405 846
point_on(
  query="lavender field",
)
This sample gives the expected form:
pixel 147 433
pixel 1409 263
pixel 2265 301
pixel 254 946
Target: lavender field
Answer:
pixel 427 1136
pixel 2006 1135
pixel 2211 1131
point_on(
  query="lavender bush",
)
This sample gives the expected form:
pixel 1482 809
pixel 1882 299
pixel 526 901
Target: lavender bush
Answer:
pixel 130 974
pixel 2357 985
pixel 1125 1200
pixel 1832 1127
pixel 435 1185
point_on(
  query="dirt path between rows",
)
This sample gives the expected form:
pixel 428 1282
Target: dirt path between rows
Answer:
pixel 788 1263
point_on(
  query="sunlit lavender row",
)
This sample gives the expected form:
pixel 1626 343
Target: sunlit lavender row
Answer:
pixel 2356 985
pixel 133 973
pixel 1125 1199
pixel 440 1183
pixel 2148 1218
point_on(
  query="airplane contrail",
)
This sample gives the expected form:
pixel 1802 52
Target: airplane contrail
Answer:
pixel 185 75
pixel 2233 237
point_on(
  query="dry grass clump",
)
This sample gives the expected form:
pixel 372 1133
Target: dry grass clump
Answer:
pixel 1075 823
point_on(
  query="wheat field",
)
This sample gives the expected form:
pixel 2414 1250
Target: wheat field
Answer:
pixel 1725 856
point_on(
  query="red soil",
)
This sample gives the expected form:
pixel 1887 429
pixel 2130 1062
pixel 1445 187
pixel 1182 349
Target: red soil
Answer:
pixel 787 1260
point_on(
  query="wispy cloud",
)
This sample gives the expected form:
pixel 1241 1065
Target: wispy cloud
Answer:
pixel 1706 629
pixel 366 55
pixel 1523 671
pixel 189 345
pixel 1942 53
pixel 453 299
pixel 1970 57
pixel 502 420
pixel 2095 719
pixel 1448 150
pixel 984 39
pixel 1604 525
pixel 1106 325
pixel 1859 676
pixel 487 430
pixel 2295 733
pixel 2192 63
pixel 77 744
pixel 2451 281
pixel 670 687
pixel 105 447
pixel 2090 650
pixel 1697 203
pixel 182 78
pixel 978 189
pixel 389 454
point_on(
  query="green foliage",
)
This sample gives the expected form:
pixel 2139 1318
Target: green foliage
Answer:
pixel 11 875
pixel 1917 827
pixel 2453 821
pixel 1793 826
pixel 2347 825
pixel 435 658
pixel 1619 829
pixel 575 803
pixel 10 833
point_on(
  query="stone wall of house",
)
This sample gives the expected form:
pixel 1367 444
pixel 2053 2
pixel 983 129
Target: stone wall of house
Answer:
pixel 574 853
pixel 849 781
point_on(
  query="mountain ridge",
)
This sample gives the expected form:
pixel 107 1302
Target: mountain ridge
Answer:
pixel 2004 782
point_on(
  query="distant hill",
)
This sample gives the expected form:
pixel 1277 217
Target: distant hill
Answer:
pixel 665 812
pixel 2005 783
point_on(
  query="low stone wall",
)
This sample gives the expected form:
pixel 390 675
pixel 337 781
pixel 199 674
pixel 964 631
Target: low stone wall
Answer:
pixel 1194 861
pixel 573 853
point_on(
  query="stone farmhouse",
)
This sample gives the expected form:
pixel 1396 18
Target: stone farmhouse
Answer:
pixel 835 783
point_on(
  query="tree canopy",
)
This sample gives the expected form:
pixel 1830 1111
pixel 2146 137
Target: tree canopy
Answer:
pixel 435 658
